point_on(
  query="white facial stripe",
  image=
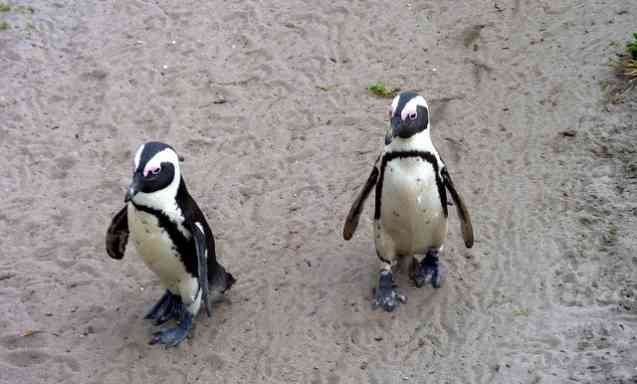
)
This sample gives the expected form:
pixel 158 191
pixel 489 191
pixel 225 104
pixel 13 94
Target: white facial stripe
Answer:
pixel 411 106
pixel 394 104
pixel 165 156
pixel 138 155
pixel 164 199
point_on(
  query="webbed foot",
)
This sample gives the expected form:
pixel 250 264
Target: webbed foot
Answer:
pixel 167 308
pixel 386 295
pixel 429 270
pixel 171 337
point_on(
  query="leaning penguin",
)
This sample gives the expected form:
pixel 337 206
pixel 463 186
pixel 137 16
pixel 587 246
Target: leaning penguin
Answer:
pixel 173 239
pixel 410 216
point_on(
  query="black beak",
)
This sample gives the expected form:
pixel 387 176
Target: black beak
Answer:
pixel 133 188
pixel 396 125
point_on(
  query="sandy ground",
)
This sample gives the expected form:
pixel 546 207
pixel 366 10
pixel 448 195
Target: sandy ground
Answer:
pixel 547 295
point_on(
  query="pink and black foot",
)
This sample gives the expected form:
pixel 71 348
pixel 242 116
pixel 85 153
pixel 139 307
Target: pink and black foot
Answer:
pixel 429 270
pixel 386 295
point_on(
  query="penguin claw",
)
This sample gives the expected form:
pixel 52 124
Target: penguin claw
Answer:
pixel 429 270
pixel 386 295
pixel 172 337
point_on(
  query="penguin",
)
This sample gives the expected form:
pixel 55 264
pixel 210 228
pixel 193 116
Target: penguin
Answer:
pixel 173 239
pixel 411 182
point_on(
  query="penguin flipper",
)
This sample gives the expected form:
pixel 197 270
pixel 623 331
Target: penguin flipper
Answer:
pixel 357 208
pixel 117 235
pixel 461 208
pixel 199 237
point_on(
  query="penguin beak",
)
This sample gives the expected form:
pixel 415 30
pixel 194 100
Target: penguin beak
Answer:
pixel 396 126
pixel 133 188
pixel 403 129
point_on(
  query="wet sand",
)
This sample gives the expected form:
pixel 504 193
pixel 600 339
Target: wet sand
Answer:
pixel 267 102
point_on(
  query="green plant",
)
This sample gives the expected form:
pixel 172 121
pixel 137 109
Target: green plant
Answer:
pixel 4 7
pixel 630 69
pixel 626 69
pixel 326 87
pixel 520 312
pixel 24 9
pixel 379 89
pixel 625 66
pixel 631 47
pixel 4 25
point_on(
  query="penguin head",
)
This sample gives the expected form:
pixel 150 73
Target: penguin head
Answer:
pixel 408 115
pixel 156 175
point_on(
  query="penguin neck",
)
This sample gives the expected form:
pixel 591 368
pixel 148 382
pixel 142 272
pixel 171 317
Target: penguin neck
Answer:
pixel 164 200
pixel 420 142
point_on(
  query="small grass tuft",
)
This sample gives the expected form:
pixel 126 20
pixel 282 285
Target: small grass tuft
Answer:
pixel 26 9
pixel 625 66
pixel 611 236
pixel 379 89
pixel 4 25
pixel 4 7
pixel 630 69
pixel 326 88
pixel 626 70
pixel 521 312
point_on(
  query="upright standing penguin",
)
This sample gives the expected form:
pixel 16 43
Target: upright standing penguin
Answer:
pixel 410 216
pixel 173 238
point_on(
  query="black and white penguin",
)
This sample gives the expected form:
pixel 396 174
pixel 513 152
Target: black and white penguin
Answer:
pixel 173 239
pixel 410 216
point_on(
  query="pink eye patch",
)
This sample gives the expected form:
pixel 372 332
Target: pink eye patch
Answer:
pixel 152 170
pixel 412 115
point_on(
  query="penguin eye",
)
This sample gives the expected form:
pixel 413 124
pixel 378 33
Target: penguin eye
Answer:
pixel 413 115
pixel 154 171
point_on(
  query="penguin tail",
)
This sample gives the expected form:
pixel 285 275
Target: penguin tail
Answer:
pixel 230 280
pixel 220 280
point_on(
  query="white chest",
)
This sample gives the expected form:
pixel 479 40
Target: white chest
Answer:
pixel 411 214
pixel 410 189
pixel 156 248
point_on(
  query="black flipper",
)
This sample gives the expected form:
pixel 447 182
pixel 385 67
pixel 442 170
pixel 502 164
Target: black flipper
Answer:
pixel 211 274
pixel 357 208
pixel 117 235
pixel 461 208
pixel 202 262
